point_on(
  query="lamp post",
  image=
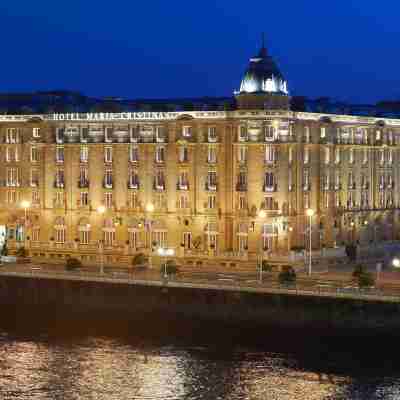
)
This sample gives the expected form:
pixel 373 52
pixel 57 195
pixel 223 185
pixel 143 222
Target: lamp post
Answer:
pixel 148 222
pixel 25 205
pixel 261 214
pixel 310 213
pixel 162 252
pixel 101 210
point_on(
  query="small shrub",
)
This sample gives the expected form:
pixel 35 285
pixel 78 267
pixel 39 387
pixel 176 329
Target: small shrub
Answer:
pixel 139 260
pixel 287 276
pixel 21 252
pixel 72 264
pixel 266 267
pixel 365 280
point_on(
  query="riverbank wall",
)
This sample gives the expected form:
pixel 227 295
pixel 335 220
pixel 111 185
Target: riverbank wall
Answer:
pixel 124 300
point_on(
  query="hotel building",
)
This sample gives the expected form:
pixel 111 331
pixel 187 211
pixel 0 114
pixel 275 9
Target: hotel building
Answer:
pixel 210 184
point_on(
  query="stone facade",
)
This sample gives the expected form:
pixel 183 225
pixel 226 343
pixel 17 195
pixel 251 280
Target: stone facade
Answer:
pixel 208 184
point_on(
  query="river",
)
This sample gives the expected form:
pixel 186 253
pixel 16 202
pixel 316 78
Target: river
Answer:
pixel 152 359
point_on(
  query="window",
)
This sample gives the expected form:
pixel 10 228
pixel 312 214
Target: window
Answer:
pixel 108 179
pixel 84 134
pixel 269 182
pixel 134 134
pixel 12 177
pixel 183 201
pixel 270 154
pixel 338 184
pixel 187 131
pixel 323 132
pixel 337 155
pixel 242 154
pixel 84 154
pixel 12 135
pixel 109 237
pixel 306 200
pixel 364 199
pixel 269 231
pixel 159 181
pixel 160 202
pixel 242 236
pixel 34 178
pixel 84 199
pixel 84 236
pixel 290 181
pixel 351 181
pixel 307 134
pixel 11 196
pixel 108 199
pixel 11 154
pixel 242 134
pixel 133 179
pixel 133 239
pixel 365 156
pixel 327 155
pixel 36 132
pixel 364 182
pixel 242 202
pixel 290 155
pixel 108 134
pixel 60 154
pixel 60 135
pixel 133 154
pixel 134 200
pixel 326 200
pixel 35 234
pixel 381 182
pixel 183 180
pixel 351 156
pixel 83 177
pixel 242 181
pixel 325 181
pixel 381 156
pixel 160 154
pixel 211 201
pixel 211 180
pixel 35 197
pixel 183 154
pixel 160 134
pixel 211 155
pixel 390 156
pixel 160 237
pixel 390 183
pixel 34 154
pixel 306 157
pixel 59 181
pixel 108 155
pixel 187 240
pixel 269 133
pixel 269 203
pixel 60 234
pixel 306 180
pixel 212 134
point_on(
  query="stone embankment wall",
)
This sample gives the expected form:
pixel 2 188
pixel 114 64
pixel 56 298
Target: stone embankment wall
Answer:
pixel 129 300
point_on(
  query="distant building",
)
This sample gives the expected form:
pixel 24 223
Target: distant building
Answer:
pixel 232 182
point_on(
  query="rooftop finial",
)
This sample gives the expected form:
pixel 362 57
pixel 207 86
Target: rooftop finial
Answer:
pixel 263 51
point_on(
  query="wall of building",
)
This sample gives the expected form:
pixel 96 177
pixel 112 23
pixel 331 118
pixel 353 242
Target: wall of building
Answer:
pixel 248 219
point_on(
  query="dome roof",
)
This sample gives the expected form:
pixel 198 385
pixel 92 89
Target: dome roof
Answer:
pixel 263 76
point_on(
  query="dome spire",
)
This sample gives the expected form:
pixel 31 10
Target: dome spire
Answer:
pixel 263 51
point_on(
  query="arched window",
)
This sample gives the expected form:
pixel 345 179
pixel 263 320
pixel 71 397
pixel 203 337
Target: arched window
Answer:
pixel 108 232
pixel 60 230
pixel 84 231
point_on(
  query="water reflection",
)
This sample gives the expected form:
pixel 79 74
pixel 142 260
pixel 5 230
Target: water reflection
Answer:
pixel 41 366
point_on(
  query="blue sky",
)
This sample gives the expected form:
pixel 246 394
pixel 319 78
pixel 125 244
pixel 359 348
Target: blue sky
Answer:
pixel 345 49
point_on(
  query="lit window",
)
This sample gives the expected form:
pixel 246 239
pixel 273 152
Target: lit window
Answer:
pixel 60 154
pixel 34 154
pixel 212 134
pixel 211 155
pixel 108 199
pixel 84 154
pixel 242 154
pixel 36 132
pixel 242 134
pixel 108 156
pixel 187 131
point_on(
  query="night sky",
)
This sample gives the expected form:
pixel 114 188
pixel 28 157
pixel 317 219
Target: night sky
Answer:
pixel 344 49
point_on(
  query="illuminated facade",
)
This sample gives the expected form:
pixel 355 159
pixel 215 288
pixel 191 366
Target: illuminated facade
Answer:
pixel 232 184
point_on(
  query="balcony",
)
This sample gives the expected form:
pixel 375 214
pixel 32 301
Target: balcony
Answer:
pixel 133 185
pixel 270 188
pixel 83 183
pixel 182 186
pixel 59 185
pixel 107 185
pixel 241 187
pixel 211 187
pixel 159 187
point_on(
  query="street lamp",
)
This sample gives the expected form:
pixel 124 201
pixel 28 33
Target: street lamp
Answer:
pixel 396 262
pixel 310 213
pixel 101 210
pixel 25 205
pixel 165 253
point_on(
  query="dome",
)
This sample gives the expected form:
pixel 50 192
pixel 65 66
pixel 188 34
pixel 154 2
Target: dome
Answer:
pixel 263 76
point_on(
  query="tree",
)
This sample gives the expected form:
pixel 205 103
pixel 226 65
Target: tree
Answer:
pixel 21 252
pixel 287 276
pixel 72 264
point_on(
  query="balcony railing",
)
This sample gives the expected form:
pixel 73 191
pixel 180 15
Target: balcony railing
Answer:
pixel 270 188
pixel 83 184
pixel 133 185
pixel 107 185
pixel 59 185
pixel 211 186
pixel 159 186
pixel 182 186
